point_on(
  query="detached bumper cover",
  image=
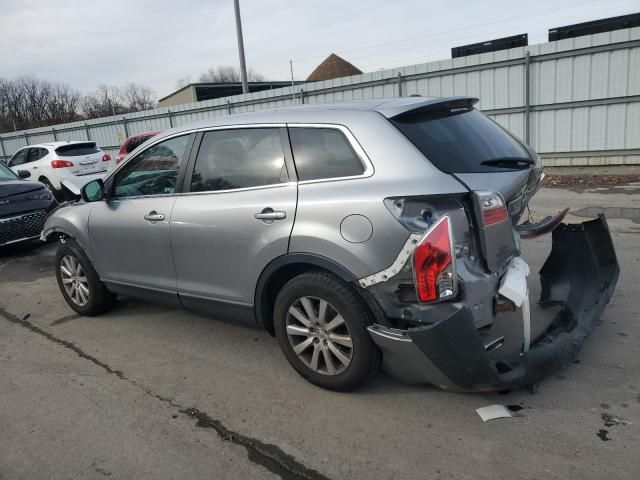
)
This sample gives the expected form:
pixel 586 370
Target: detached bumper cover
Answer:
pixel 580 274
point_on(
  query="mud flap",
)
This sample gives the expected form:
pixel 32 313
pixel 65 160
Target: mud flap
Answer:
pixel 581 266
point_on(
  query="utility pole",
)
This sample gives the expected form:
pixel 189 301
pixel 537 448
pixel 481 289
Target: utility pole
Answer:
pixel 243 65
pixel 293 93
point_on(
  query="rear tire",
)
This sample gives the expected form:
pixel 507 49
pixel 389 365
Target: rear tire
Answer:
pixel 321 325
pixel 79 282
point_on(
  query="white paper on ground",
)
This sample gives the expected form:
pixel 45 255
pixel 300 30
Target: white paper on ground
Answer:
pixel 492 412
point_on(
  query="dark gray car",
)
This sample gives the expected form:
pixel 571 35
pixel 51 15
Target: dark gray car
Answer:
pixel 356 233
pixel 24 206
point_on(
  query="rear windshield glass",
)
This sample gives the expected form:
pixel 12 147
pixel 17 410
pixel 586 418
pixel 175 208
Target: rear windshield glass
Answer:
pixel 77 149
pixel 136 142
pixel 459 140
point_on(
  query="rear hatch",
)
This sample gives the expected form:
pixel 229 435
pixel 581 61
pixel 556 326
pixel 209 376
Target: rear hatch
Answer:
pixel 86 157
pixel 487 159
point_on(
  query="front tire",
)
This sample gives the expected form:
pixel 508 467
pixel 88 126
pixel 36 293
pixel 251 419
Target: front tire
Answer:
pixel 79 282
pixel 321 326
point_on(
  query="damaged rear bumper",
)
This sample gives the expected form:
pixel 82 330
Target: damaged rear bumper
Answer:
pixel 579 275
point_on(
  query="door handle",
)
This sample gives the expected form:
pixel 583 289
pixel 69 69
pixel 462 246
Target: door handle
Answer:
pixel 154 216
pixel 271 214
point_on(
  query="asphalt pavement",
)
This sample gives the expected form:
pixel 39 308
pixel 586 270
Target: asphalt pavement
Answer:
pixel 146 392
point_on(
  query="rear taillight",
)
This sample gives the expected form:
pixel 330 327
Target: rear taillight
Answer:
pixel 61 164
pixel 433 263
pixel 106 157
pixel 493 208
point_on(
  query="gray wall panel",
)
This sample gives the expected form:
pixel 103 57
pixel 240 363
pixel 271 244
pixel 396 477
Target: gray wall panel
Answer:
pixel 601 69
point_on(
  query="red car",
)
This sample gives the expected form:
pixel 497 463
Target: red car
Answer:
pixel 134 141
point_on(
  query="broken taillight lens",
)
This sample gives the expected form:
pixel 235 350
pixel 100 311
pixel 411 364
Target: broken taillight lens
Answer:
pixel 493 207
pixel 433 263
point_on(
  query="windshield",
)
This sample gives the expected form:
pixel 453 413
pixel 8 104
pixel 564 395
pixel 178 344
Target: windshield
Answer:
pixel 463 140
pixel 6 173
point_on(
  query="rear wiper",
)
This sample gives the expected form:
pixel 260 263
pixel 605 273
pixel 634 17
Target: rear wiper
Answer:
pixel 509 162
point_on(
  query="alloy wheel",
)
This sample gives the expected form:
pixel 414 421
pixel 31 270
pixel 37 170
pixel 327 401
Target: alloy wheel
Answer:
pixel 74 280
pixel 319 335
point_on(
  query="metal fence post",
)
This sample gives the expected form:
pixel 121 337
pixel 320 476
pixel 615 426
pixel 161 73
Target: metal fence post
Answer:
pixel 126 129
pixel 229 108
pixel 302 96
pixel 86 130
pixel 170 118
pixel 55 134
pixel 4 154
pixel 399 84
pixel 527 97
pixel 26 137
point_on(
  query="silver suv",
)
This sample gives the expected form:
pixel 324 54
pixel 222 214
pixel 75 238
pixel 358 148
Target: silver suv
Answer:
pixel 359 233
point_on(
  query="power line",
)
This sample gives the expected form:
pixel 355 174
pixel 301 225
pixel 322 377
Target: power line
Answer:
pixel 451 41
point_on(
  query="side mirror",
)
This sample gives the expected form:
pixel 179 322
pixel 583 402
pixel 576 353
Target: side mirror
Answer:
pixel 93 191
pixel 24 173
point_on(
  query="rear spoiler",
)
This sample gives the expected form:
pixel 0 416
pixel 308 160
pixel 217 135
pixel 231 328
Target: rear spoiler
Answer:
pixel 412 105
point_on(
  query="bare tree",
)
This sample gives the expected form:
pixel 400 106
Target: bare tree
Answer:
pixel 228 74
pixel 27 102
pixel 183 82
pixel 104 102
pixel 138 97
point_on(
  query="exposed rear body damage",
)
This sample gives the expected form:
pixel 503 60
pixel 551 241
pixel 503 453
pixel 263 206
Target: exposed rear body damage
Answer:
pixel 580 275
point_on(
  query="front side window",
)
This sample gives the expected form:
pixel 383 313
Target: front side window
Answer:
pixel 152 172
pixel 323 153
pixel 19 158
pixel 239 158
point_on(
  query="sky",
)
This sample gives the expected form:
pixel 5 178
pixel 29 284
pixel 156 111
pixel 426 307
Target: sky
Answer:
pixel 156 42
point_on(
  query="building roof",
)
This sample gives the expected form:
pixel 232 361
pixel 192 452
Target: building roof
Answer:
pixel 333 67
pixel 207 91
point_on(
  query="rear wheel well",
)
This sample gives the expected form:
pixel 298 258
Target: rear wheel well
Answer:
pixel 275 282
pixel 277 279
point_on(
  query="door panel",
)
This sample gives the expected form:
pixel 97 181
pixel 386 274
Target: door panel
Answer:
pixel 130 249
pixel 220 248
pixel 238 217
pixel 129 232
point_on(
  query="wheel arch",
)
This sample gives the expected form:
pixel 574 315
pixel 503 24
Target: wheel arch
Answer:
pixel 283 269
pixel 59 227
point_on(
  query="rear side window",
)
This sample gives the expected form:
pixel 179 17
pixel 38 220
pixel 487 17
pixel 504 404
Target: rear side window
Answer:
pixel 323 153
pixel 36 154
pixel 462 140
pixel 77 149
pixel 242 158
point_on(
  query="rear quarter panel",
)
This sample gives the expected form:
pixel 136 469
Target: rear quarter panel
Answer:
pixel 399 170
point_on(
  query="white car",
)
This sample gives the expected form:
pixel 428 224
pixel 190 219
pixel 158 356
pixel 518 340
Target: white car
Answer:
pixel 51 163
